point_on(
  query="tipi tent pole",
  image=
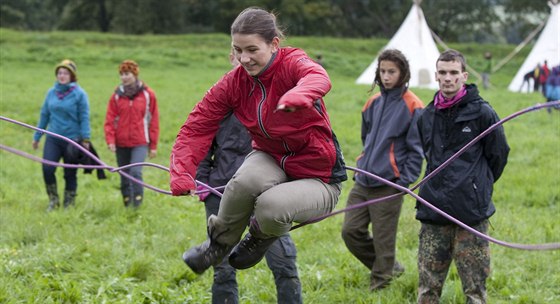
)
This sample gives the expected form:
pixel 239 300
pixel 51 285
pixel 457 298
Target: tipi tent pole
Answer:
pixel 518 48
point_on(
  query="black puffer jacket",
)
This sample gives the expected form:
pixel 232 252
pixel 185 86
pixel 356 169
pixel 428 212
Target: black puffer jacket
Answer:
pixel 464 188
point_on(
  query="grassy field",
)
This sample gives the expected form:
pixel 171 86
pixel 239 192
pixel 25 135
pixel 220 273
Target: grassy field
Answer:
pixel 98 252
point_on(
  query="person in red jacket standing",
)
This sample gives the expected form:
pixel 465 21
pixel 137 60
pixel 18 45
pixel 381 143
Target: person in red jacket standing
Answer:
pixel 543 77
pixel 132 128
pixel 295 170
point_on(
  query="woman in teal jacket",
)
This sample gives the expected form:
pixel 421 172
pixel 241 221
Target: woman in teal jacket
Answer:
pixel 65 112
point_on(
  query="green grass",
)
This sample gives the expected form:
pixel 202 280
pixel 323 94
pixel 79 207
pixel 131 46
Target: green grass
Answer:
pixel 99 252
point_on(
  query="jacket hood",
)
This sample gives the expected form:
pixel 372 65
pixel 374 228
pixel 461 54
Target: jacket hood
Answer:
pixel 472 94
pixel 120 89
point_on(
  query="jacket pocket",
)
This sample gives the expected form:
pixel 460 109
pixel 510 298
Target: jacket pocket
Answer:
pixel 480 203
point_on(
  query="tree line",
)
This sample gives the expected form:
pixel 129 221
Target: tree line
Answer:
pixel 453 20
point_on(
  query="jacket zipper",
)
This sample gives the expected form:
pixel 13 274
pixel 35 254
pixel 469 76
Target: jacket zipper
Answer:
pixel 130 110
pixel 262 128
pixel 259 109
pixel 285 157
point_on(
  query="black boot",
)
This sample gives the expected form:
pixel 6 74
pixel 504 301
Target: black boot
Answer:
pixel 52 192
pixel 209 253
pixel 250 250
pixel 137 200
pixel 69 198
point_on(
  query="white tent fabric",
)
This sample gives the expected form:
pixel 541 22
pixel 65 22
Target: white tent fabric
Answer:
pixel 546 48
pixel 414 40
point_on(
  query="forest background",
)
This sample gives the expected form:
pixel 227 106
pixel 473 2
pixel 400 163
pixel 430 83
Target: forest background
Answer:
pixel 503 21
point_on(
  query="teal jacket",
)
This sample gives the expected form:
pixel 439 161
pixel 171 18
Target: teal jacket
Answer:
pixel 65 112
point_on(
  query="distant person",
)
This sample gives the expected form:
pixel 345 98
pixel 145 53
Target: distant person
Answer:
pixel 391 150
pixel 295 170
pixel 463 189
pixel 543 76
pixel 553 87
pixel 487 70
pixel 132 128
pixel 536 78
pixel 65 112
pixel 227 152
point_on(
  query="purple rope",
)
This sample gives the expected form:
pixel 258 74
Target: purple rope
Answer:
pixel 101 165
pixel 139 164
pixel 547 246
pixel 209 189
pixel 437 170
pixel 48 162
pixel 84 150
pixel 486 132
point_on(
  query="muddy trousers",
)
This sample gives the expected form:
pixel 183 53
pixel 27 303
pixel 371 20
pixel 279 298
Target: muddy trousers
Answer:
pixel 438 246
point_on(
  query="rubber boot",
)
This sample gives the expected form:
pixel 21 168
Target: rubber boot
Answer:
pixel 137 200
pixel 69 198
pixel 52 192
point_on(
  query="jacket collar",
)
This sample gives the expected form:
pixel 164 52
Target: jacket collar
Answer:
pixel 472 95
pixel 121 90
pixel 394 92
pixel 268 65
pixel 467 108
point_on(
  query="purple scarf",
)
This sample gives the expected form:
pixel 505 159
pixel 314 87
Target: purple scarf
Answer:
pixel 62 90
pixel 442 102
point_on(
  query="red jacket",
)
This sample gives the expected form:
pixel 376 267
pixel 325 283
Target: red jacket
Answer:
pixel 302 142
pixel 132 122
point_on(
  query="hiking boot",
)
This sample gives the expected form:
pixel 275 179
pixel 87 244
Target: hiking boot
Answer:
pixel 69 198
pixel 209 253
pixel 249 251
pixel 52 192
pixel 398 270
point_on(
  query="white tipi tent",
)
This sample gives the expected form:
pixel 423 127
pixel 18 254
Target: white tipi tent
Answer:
pixel 547 48
pixel 414 40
